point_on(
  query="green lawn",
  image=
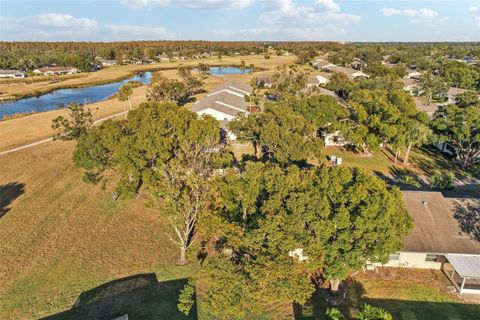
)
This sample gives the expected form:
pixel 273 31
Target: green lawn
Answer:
pixel 378 161
pixel 60 237
pixel 406 294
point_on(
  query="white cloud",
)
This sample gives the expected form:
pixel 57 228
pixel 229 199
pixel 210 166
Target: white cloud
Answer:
pixel 474 9
pixel 197 4
pixel 287 13
pixel 328 5
pixel 59 27
pixel 290 20
pixel 391 11
pixel 59 20
pixel 423 13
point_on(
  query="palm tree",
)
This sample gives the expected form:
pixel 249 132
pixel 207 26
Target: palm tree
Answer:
pixel 124 94
pixel 416 134
pixel 373 313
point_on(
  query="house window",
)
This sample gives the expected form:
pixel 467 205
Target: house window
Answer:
pixel 431 257
pixel 394 257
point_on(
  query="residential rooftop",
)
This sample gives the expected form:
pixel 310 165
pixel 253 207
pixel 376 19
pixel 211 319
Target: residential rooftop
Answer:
pixel 436 229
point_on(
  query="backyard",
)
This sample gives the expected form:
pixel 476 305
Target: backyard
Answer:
pixel 406 293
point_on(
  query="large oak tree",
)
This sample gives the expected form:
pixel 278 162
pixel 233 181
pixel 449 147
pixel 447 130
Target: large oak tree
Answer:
pixel 165 150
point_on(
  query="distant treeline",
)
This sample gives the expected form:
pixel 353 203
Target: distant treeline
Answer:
pixel 30 55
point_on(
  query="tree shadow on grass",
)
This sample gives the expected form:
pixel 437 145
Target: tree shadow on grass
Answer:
pixel 140 297
pixel 467 213
pixel 8 193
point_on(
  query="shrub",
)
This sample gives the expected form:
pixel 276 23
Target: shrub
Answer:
pixel 442 181
pixel 411 181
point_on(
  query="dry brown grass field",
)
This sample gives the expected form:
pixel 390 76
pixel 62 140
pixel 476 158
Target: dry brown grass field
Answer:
pixel 35 127
pixel 116 73
pixel 60 236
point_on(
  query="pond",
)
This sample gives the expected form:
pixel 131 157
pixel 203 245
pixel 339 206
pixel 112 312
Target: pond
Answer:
pixel 62 97
pixel 219 71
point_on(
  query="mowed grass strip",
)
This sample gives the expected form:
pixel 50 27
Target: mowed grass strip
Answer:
pixel 62 237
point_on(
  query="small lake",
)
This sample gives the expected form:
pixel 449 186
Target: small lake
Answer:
pixel 219 71
pixel 62 97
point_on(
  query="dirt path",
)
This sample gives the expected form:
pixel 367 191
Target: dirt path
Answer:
pixel 51 139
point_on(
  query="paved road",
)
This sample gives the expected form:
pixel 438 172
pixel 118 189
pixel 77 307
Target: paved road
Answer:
pixel 33 144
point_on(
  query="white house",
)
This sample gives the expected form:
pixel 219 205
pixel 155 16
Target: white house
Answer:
pixel 409 85
pixel 319 79
pixel 334 139
pixel 413 74
pixel 437 242
pixel 453 93
pixel 49 71
pixel 107 63
pixel 321 63
pixel 351 73
pixel 225 103
pixel 265 81
pixel 12 74
pixel 162 57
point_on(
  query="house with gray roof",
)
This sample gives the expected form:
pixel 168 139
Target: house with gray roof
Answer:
pixel 438 240
pixel 225 103
pixel 349 72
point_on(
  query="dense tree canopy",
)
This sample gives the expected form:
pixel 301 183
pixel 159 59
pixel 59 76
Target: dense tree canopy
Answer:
pixel 381 117
pixel 461 128
pixel 179 91
pixel 279 227
pixel 281 134
pixel 321 110
pixel 461 75
pixel 164 149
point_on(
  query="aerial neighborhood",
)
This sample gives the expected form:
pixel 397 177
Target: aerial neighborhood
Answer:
pixel 147 176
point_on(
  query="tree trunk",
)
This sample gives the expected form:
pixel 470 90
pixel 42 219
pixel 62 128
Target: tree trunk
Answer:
pixel 365 151
pixel 407 154
pixel 256 149
pixel 334 284
pixel 183 256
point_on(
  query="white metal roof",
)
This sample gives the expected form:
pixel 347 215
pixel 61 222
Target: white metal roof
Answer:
pixel 467 266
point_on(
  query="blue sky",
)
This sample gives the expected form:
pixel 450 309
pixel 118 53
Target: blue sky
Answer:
pixel 352 20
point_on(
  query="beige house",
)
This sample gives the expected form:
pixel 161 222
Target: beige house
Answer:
pixel 319 79
pixel 50 71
